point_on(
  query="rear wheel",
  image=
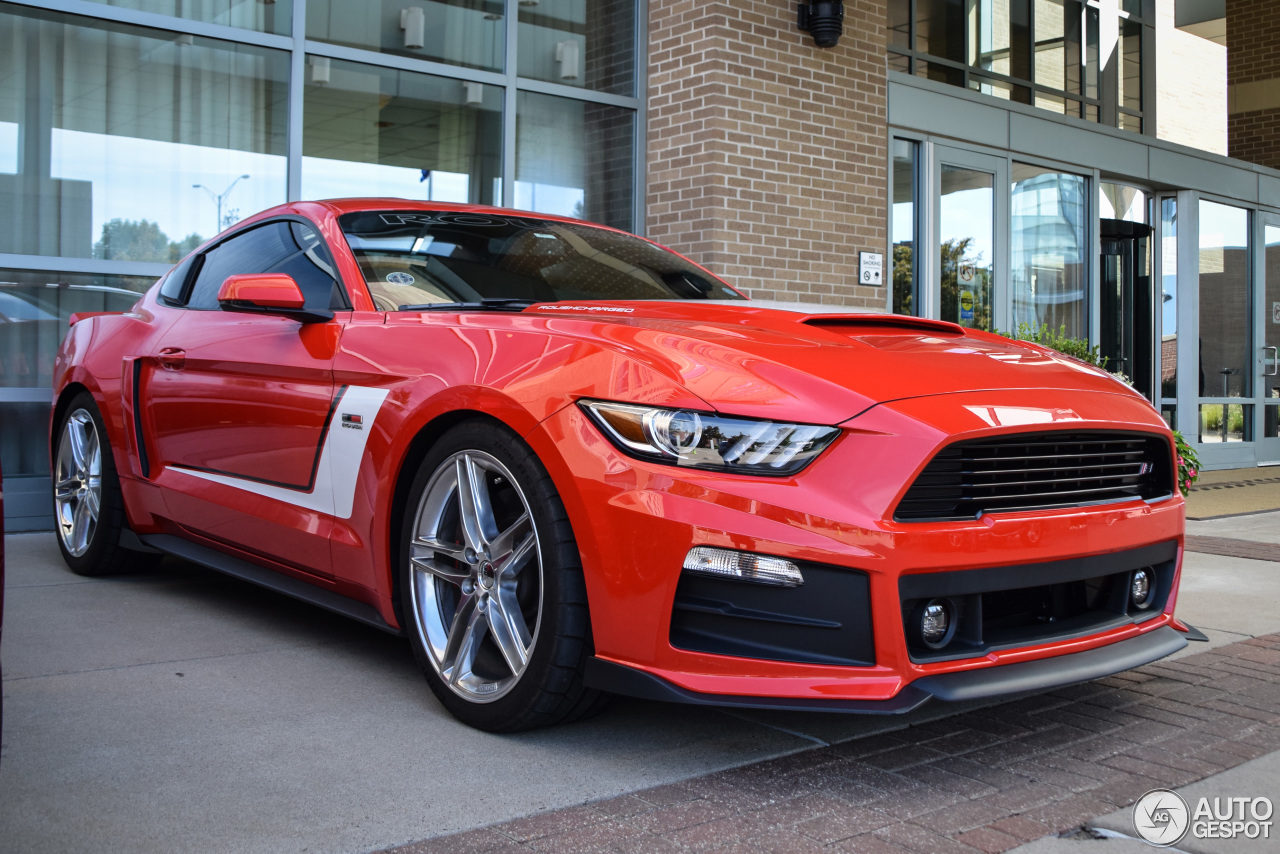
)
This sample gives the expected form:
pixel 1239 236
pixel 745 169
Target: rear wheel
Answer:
pixel 88 506
pixel 495 602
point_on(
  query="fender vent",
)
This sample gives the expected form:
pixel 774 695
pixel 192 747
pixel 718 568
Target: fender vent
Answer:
pixel 1038 471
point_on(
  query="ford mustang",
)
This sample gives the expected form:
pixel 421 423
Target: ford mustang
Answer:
pixel 568 463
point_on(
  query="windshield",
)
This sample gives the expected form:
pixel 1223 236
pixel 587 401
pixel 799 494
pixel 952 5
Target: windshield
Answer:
pixel 413 258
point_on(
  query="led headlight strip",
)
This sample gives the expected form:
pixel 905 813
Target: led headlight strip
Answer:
pixel 709 441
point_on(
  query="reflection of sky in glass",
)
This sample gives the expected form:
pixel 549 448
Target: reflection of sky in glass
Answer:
pixel 1223 227
pixel 967 213
pixel 904 225
pixel 549 199
pixel 8 148
pixel 152 180
pixel 341 179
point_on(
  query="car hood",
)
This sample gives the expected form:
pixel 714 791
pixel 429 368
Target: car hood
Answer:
pixel 817 368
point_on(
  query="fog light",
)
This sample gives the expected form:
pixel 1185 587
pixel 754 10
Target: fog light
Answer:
pixel 743 566
pixel 1142 589
pixel 937 623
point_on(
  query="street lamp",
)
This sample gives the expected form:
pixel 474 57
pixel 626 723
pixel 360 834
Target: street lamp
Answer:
pixel 219 198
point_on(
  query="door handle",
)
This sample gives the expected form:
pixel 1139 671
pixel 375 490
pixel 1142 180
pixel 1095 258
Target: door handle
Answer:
pixel 1275 361
pixel 173 358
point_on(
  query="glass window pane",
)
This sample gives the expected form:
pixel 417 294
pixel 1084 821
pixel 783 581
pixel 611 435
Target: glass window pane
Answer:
pixel 579 44
pixel 34 308
pixel 1169 298
pixel 114 141
pixel 905 155
pixel 897 62
pixel 967 253
pixel 381 132
pixel 1225 361
pixel 460 32
pixel 1048 212
pixel 1271 306
pixel 940 73
pixel 900 23
pixel 265 17
pixel 1226 423
pixel 575 159
pixel 940 28
pixel 1120 201
pixel 1001 38
pixel 1054 103
pixel 1131 66
pixel 1057 45
pixel 1000 89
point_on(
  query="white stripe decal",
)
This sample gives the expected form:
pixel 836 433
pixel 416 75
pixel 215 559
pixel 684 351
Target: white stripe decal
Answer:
pixel 335 488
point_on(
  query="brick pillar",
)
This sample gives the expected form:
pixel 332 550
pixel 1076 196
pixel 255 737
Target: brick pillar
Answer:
pixel 1253 81
pixel 767 155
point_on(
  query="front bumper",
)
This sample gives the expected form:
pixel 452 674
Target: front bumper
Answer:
pixel 635 522
pixel 1039 675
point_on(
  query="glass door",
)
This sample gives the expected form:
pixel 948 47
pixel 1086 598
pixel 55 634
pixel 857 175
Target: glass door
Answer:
pixel 1268 361
pixel 972 196
pixel 1227 363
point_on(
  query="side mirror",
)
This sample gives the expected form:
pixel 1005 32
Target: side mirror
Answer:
pixel 268 293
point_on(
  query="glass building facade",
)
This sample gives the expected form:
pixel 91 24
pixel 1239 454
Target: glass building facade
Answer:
pixel 133 130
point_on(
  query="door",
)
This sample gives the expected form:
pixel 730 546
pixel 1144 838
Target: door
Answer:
pixel 1268 361
pixel 238 405
pixel 1126 335
pixel 971 192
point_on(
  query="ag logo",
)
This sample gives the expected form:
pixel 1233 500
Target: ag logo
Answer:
pixel 1161 817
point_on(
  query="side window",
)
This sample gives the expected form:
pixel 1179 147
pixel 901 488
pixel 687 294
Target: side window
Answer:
pixel 253 251
pixel 173 285
pixel 289 247
pixel 311 266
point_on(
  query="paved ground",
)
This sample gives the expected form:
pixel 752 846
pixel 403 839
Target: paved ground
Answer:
pixel 984 781
pixel 180 710
pixel 1234 491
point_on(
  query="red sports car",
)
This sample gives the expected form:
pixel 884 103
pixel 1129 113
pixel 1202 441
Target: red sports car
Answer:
pixel 566 462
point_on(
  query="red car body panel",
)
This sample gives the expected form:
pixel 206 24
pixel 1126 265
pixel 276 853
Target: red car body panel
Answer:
pixel 221 398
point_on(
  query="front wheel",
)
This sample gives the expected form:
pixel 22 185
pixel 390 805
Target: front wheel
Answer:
pixel 495 603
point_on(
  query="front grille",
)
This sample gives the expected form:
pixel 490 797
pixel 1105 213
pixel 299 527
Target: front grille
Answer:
pixel 1036 471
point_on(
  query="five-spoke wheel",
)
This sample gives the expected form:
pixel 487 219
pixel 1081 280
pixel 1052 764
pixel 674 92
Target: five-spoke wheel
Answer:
pixel 491 584
pixel 476 580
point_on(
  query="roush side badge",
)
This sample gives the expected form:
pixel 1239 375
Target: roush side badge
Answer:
pixel 355 422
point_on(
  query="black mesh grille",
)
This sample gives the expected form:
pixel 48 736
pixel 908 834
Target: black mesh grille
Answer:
pixel 1034 471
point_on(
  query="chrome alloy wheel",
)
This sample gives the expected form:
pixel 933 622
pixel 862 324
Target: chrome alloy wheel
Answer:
pixel 475 577
pixel 77 490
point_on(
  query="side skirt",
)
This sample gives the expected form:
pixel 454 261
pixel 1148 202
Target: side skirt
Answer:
pixel 254 574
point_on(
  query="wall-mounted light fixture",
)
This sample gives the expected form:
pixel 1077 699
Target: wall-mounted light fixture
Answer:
pixel 414 23
pixel 472 93
pixel 319 70
pixel 567 56
pixel 824 20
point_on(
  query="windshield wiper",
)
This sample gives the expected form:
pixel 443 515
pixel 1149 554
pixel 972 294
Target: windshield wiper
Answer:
pixel 487 304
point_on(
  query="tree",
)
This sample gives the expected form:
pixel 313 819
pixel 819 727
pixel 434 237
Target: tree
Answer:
pixel 954 253
pixel 182 248
pixel 132 240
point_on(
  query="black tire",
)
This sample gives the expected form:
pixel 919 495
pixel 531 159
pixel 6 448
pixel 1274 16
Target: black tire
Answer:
pixel 537 584
pixel 98 552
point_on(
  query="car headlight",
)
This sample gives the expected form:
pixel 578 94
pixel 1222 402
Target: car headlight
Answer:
pixel 705 440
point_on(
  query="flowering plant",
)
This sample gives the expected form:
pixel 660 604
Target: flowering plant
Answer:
pixel 1188 463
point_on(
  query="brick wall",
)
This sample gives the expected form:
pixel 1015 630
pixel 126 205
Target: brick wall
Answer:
pixel 767 155
pixel 1253 78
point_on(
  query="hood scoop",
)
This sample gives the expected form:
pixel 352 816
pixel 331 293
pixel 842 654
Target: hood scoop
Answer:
pixel 882 324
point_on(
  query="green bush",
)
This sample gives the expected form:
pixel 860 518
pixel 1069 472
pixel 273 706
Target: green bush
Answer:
pixel 1047 336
